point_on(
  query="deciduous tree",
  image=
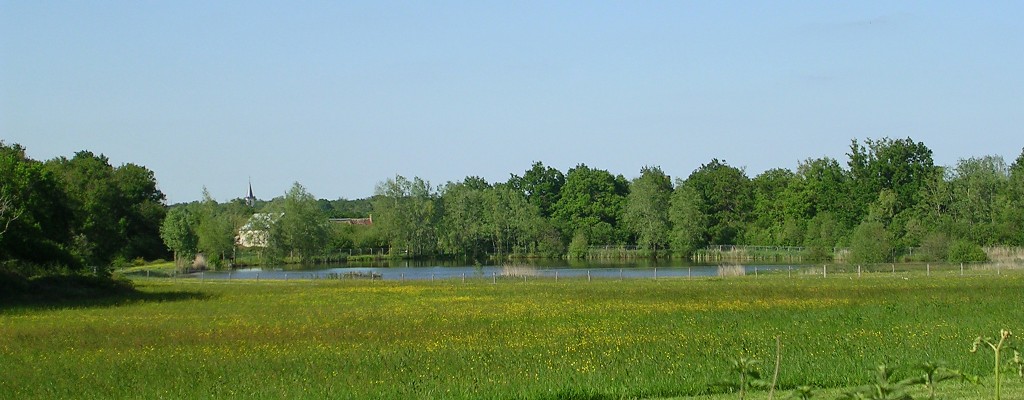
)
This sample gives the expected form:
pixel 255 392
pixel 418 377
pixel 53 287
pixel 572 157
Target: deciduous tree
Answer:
pixel 723 194
pixel 407 214
pixel 646 213
pixel 591 202
pixel 179 235
pixel 302 228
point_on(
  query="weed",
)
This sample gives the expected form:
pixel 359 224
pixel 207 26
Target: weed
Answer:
pixel 997 347
pixel 749 377
pixel 802 393
pixel 1019 363
pixel 936 372
pixel 882 388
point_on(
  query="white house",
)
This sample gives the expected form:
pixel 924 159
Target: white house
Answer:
pixel 256 232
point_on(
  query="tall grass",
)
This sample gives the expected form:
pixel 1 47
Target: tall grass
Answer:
pixel 448 339
pixel 731 270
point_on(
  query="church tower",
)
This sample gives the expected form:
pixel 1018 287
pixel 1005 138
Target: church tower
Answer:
pixel 250 200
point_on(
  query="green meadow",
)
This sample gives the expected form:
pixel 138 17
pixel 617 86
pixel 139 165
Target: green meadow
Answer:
pixel 640 338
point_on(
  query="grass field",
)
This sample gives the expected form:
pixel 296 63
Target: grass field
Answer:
pixel 541 339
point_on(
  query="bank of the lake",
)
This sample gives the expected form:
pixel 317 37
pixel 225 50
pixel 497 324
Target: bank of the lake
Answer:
pixel 561 269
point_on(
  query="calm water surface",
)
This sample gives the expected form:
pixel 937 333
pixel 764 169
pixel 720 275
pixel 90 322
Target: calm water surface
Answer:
pixel 411 270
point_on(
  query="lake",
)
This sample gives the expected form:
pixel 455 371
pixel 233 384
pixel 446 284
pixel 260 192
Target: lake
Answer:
pixel 412 270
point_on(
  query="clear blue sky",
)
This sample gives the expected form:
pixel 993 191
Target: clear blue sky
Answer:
pixel 341 95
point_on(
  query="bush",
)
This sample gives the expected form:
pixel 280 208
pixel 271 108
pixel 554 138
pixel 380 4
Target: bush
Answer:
pixel 963 251
pixel 935 247
pixel 578 247
pixel 870 243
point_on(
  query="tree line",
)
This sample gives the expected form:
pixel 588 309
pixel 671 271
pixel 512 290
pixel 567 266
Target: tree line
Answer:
pixel 889 196
pixel 67 214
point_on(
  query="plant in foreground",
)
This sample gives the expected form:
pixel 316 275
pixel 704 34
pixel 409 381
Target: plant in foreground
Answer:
pixel 882 389
pixel 936 372
pixel 997 347
pixel 746 370
pixel 802 393
pixel 1019 362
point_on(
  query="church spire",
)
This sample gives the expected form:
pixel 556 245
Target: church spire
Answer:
pixel 250 200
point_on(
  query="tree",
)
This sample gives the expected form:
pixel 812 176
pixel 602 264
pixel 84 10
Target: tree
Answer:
pixel 407 214
pixel 772 223
pixel 36 214
pixel 870 243
pixel 932 213
pixel 98 235
pixel 142 210
pixel 823 187
pixel 303 228
pixel 179 235
pixel 541 185
pixel 591 202
pixel 646 211
pixel 902 166
pixel 823 233
pixel 116 212
pixel 689 222
pixel 1011 204
pixel 215 231
pixel 466 219
pixel 8 213
pixel 976 184
pixel 723 194
pixel 516 225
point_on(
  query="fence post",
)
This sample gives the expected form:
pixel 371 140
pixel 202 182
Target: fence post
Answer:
pixel 402 276
pixel 463 277
pixel 588 275
pixel 257 277
pixel 928 269
pixel 894 269
pixel 202 276
pixel 620 274
pixel 689 272
pixel 556 276
pixel 655 273
pixel 858 270
pixel 494 277
pixel 961 269
pixel 824 271
pixel 790 271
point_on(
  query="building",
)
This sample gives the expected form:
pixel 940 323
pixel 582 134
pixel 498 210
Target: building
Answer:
pixel 352 221
pixel 250 199
pixel 256 232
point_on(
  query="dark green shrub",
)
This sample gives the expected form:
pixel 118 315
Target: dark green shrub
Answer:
pixel 934 247
pixel 578 247
pixel 870 244
pixel 963 251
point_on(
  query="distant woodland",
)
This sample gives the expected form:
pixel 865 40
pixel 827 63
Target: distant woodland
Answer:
pixel 887 196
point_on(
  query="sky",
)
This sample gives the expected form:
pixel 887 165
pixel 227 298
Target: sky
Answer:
pixel 342 95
